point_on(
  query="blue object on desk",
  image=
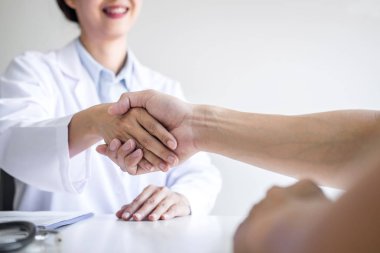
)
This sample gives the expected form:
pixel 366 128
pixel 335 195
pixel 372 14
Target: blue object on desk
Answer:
pixel 67 222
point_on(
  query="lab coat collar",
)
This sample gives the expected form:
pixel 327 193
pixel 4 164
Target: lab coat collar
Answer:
pixel 84 91
pixel 69 61
pixel 70 64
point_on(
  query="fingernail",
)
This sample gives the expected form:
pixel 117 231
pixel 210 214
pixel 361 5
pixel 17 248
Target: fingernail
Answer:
pixel 113 145
pixel 164 216
pixel 162 166
pixel 171 144
pixel 125 216
pixel 137 216
pixel 148 166
pixel 136 153
pixel 152 217
pixel 127 146
pixel 171 159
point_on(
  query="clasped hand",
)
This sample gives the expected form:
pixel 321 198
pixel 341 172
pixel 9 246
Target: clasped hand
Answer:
pixel 137 142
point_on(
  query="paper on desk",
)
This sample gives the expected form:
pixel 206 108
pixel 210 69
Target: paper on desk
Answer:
pixel 45 219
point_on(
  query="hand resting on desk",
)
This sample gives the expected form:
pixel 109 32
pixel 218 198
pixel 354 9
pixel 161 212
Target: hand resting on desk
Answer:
pixel 155 203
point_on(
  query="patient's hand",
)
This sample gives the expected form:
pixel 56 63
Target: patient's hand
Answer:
pixel 151 146
pixel 281 219
pixel 155 203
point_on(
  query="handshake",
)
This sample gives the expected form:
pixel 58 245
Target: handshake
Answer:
pixel 148 131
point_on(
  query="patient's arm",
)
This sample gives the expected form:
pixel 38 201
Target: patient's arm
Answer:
pixel 332 148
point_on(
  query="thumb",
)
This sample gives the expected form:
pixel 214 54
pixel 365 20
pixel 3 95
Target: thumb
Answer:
pixel 121 106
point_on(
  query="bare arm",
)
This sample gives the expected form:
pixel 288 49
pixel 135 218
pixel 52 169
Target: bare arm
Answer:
pixel 331 147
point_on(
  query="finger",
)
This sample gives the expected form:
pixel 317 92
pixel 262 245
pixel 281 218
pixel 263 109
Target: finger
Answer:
pixel 161 208
pixel 157 198
pixel 155 147
pixel 155 161
pixel 121 106
pixel 123 154
pixel 306 188
pixel 120 212
pixel 175 211
pixel 144 171
pixel 111 151
pixel 181 207
pixel 102 149
pixel 156 129
pixel 138 202
pixel 147 166
pixel 131 161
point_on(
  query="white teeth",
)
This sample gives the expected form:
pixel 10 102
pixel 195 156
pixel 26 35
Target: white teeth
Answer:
pixel 118 10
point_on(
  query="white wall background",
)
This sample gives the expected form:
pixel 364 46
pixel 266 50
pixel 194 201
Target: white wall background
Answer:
pixel 267 56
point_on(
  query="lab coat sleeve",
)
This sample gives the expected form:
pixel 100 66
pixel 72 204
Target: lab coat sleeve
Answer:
pixel 34 140
pixel 197 178
pixel 199 181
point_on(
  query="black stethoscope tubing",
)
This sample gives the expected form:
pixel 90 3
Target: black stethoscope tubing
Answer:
pixel 23 226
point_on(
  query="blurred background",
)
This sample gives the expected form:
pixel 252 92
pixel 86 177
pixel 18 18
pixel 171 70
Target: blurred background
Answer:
pixel 265 56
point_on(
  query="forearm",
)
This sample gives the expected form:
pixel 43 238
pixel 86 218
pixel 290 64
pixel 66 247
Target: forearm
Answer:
pixel 83 129
pixel 328 147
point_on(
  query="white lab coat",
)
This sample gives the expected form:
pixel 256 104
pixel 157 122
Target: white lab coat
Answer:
pixel 39 93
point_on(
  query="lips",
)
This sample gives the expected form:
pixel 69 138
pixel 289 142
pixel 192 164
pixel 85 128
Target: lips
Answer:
pixel 115 11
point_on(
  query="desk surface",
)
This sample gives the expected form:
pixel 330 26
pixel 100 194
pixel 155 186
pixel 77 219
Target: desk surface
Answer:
pixel 204 234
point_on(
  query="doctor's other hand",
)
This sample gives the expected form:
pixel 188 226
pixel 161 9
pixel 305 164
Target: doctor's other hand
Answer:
pixel 129 157
pixel 155 203
pixel 153 143
pixel 174 114
pixel 281 219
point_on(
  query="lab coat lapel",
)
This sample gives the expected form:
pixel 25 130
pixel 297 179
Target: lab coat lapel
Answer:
pixel 82 87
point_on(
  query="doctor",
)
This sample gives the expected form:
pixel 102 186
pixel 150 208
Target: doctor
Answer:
pixel 54 109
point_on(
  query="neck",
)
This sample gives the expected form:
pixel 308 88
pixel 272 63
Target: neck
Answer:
pixel 111 54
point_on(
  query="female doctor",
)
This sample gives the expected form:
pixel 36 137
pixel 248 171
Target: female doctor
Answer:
pixel 54 109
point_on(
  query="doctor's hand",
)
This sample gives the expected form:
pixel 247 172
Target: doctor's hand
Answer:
pixel 155 203
pixel 280 221
pixel 152 146
pixel 174 114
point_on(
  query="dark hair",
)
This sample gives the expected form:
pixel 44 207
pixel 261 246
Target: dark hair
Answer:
pixel 69 12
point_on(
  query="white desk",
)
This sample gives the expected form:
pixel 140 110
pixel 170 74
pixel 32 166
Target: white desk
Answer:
pixel 105 233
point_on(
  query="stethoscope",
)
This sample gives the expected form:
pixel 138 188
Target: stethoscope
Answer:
pixel 16 235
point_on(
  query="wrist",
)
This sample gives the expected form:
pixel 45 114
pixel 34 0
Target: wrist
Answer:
pixel 97 118
pixel 204 125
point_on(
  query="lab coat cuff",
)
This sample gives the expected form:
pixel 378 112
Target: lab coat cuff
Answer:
pixel 196 207
pixel 72 181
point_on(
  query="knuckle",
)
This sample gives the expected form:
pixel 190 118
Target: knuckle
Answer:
pixel 136 202
pixel 163 204
pixel 310 186
pixel 307 183
pixel 134 112
pixel 151 126
pixel 145 141
pixel 152 201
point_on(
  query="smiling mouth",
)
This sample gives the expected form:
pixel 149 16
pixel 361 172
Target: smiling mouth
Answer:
pixel 115 11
